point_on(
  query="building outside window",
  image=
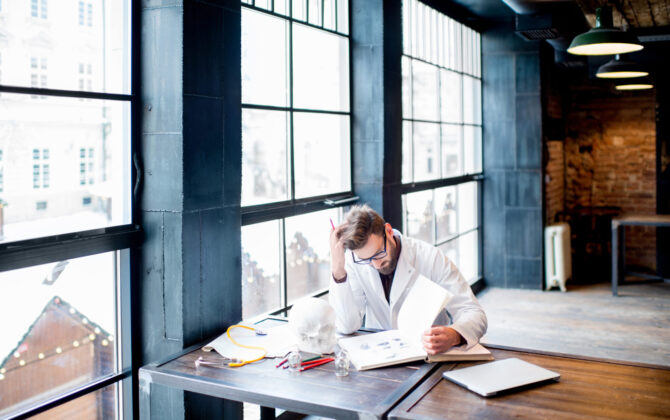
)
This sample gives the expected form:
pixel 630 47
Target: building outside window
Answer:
pixel 80 14
pixel 442 132
pixel 40 178
pixel 38 8
pixel 295 146
pixel 65 317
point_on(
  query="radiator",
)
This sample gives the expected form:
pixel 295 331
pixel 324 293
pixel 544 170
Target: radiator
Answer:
pixel 557 258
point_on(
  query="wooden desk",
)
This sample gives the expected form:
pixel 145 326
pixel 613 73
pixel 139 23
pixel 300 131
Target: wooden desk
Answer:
pixel 619 237
pixel 587 389
pixel 368 394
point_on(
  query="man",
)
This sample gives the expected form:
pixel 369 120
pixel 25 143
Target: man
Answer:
pixel 373 266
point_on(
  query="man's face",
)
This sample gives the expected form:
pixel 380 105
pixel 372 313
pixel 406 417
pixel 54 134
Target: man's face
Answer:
pixel 374 248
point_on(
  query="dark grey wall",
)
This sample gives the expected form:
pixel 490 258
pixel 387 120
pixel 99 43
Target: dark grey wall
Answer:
pixel 512 188
pixel 189 283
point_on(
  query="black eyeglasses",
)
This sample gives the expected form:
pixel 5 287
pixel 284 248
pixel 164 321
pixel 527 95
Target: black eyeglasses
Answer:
pixel 378 256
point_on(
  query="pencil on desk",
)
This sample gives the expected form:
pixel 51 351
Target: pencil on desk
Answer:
pixel 316 363
pixel 282 362
pixel 311 361
pixel 306 362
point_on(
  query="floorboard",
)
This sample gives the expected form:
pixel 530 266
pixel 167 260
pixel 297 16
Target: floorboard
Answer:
pixel 585 321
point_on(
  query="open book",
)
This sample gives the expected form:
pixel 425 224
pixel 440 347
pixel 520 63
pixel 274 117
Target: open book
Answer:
pixel 423 303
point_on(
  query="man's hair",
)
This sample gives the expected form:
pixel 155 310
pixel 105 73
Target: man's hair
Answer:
pixel 361 222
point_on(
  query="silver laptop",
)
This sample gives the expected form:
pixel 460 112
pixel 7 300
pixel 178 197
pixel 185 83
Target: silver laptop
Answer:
pixel 490 378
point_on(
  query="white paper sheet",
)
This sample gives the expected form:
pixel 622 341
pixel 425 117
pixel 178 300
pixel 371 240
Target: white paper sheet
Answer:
pixel 278 342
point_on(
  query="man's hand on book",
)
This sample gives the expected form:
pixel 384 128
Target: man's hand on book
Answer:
pixel 439 339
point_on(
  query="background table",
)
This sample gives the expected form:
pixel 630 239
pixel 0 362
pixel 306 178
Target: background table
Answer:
pixel 619 237
pixel 586 389
pixel 368 394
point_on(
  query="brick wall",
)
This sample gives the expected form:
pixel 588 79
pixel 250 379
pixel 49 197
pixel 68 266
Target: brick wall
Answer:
pixel 610 155
pixel 554 179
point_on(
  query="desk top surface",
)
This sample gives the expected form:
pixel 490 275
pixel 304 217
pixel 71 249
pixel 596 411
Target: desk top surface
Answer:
pixel 643 219
pixel 586 389
pixel 315 391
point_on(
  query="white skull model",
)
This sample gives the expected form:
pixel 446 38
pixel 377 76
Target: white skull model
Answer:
pixel 313 322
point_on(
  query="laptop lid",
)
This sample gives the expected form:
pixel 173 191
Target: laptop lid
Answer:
pixel 490 378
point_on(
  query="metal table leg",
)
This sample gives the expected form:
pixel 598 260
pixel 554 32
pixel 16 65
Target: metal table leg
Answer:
pixel 615 257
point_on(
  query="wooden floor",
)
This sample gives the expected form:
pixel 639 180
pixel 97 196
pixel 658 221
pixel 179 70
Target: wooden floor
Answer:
pixel 585 321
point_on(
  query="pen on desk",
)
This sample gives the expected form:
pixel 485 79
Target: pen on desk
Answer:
pixel 332 224
pixel 315 364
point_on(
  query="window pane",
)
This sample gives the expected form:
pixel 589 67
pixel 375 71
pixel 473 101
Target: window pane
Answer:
pixel 450 96
pixel 320 70
pixel 407 151
pixel 264 59
pixel 261 268
pixel 308 252
pixel 426 151
pixel 451 150
pixel 101 404
pixel 419 215
pixel 59 40
pixel 329 15
pixel 425 91
pixel 63 126
pixel 450 249
pixel 321 158
pixel 469 256
pixel 406 88
pixel 299 9
pixel 445 212
pixel 264 156
pixel 343 16
pixel 472 100
pixel 472 149
pixel 58 324
pixel 315 12
pixel 467 207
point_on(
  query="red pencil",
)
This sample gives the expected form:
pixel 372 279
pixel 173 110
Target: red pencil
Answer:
pixel 282 362
pixel 319 363
pixel 311 362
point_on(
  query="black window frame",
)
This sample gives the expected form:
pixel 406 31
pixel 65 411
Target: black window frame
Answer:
pixel 478 177
pixel 280 210
pixel 121 238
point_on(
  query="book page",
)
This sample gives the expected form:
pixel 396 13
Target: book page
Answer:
pixel 421 306
pixel 380 349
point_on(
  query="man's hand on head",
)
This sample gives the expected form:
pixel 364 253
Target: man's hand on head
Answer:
pixel 439 339
pixel 337 252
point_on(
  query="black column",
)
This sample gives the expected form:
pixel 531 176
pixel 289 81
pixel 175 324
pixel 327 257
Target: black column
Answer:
pixel 376 49
pixel 190 285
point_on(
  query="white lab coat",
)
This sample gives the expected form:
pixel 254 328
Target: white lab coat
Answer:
pixel 362 293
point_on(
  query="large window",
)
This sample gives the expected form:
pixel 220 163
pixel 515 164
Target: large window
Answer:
pixel 64 233
pixel 295 145
pixel 442 133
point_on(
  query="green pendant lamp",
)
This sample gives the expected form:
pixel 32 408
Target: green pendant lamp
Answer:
pixel 604 39
pixel 620 68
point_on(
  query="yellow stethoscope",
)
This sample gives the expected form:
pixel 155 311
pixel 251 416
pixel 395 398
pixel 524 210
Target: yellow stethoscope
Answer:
pixel 245 362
